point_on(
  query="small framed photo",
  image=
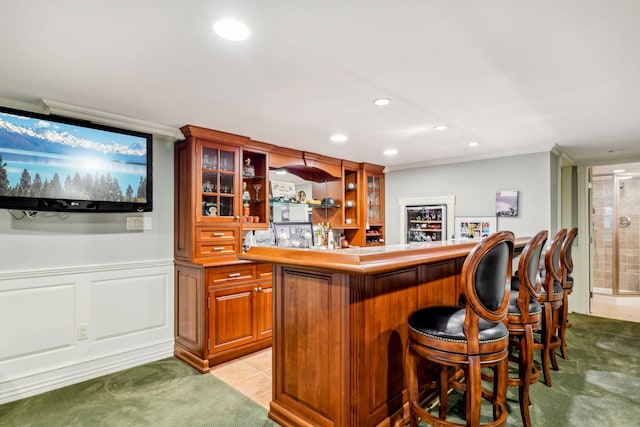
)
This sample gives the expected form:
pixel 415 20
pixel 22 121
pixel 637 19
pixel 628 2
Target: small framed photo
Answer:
pixel 293 234
pixel 507 203
pixel 474 227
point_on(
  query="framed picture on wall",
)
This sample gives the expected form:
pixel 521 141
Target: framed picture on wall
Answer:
pixel 283 190
pixel 507 203
pixel 474 227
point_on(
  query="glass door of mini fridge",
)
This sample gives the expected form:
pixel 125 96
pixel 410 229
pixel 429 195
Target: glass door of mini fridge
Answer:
pixel 426 223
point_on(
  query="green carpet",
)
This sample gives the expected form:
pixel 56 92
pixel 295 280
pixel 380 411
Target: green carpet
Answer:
pixel 163 393
pixel 598 386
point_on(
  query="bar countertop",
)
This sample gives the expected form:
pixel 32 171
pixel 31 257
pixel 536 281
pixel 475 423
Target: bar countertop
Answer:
pixel 367 260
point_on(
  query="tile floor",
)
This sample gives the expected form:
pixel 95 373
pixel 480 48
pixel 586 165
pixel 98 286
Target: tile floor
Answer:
pixel 250 375
pixel 622 307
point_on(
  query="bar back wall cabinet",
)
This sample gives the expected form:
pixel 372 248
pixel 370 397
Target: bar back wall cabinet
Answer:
pixel 223 305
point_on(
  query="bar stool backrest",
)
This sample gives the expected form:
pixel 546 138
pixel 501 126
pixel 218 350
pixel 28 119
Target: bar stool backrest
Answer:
pixel 553 266
pixel 486 278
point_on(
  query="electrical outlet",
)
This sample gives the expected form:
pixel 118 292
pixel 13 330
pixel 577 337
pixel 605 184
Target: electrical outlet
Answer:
pixel 83 332
pixel 134 223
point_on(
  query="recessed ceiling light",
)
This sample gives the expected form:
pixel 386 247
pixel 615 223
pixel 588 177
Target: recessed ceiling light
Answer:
pixel 473 144
pixel 281 171
pixel 441 127
pixel 390 152
pixel 231 29
pixel 381 102
pixel 617 170
pixel 339 137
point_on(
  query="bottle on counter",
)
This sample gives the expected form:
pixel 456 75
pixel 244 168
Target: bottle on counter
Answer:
pixel 330 241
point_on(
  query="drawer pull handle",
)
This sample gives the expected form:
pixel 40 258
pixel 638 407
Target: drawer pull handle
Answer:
pixel 218 249
pixel 217 235
pixel 232 275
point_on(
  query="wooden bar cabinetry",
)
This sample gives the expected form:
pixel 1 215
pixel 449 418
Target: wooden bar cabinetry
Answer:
pixel 223 305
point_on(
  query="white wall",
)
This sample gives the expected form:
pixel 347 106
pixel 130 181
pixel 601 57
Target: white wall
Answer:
pixel 60 273
pixel 474 185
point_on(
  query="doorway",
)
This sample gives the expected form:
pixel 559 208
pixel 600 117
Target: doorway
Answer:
pixel 615 241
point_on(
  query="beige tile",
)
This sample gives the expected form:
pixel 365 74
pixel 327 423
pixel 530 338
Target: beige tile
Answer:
pixel 622 308
pixel 261 361
pixel 233 372
pixel 263 399
pixel 254 385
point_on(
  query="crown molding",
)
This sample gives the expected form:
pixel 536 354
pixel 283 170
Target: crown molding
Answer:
pixel 566 159
pixel 49 106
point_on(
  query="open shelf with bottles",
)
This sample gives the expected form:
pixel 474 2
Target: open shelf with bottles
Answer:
pixel 374 236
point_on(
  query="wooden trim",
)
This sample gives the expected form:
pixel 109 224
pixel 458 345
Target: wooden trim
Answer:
pixel 375 260
pixel 191 131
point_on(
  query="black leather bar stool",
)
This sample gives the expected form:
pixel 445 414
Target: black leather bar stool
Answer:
pixel 551 300
pixel 466 338
pixel 567 288
pixel 525 316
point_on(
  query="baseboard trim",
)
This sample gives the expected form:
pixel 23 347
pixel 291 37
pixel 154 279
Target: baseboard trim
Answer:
pixel 42 382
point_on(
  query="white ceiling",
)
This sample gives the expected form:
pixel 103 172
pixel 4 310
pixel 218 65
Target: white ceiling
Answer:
pixel 517 77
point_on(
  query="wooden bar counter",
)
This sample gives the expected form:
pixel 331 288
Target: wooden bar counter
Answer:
pixel 340 327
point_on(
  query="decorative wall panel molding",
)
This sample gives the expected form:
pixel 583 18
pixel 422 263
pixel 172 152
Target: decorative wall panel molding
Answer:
pixel 63 326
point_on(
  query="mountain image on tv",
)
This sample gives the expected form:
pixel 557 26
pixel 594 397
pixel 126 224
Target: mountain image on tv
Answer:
pixel 50 159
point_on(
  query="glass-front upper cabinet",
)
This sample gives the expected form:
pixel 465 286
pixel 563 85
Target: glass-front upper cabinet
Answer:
pixel 374 189
pixel 374 213
pixel 218 180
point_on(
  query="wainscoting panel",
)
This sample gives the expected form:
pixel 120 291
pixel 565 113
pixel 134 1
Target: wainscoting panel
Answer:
pixel 63 326
pixel 30 324
pixel 129 305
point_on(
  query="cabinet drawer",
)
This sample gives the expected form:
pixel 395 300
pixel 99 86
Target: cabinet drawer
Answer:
pixel 264 270
pixel 227 275
pixel 208 249
pixel 215 234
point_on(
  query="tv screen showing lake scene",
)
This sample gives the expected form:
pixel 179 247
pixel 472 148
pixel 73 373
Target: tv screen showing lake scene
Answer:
pixel 50 159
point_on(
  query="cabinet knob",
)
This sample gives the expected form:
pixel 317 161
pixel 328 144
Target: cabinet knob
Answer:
pixel 256 289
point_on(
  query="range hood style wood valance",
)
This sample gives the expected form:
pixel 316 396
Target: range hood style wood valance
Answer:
pixel 308 166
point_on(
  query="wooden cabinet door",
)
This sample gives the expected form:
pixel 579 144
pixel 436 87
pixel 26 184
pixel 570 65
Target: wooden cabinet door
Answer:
pixel 217 183
pixel 264 315
pixel 232 321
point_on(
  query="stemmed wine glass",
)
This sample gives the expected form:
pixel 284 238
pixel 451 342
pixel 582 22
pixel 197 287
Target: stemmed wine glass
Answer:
pixel 257 187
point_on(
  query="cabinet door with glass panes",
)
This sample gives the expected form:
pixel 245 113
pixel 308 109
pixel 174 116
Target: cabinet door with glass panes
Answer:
pixel 374 221
pixel 218 183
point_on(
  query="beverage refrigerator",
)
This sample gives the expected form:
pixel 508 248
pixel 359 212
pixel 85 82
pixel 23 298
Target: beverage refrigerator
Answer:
pixel 426 223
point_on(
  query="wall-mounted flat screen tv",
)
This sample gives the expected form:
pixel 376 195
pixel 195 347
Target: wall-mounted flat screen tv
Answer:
pixel 52 163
